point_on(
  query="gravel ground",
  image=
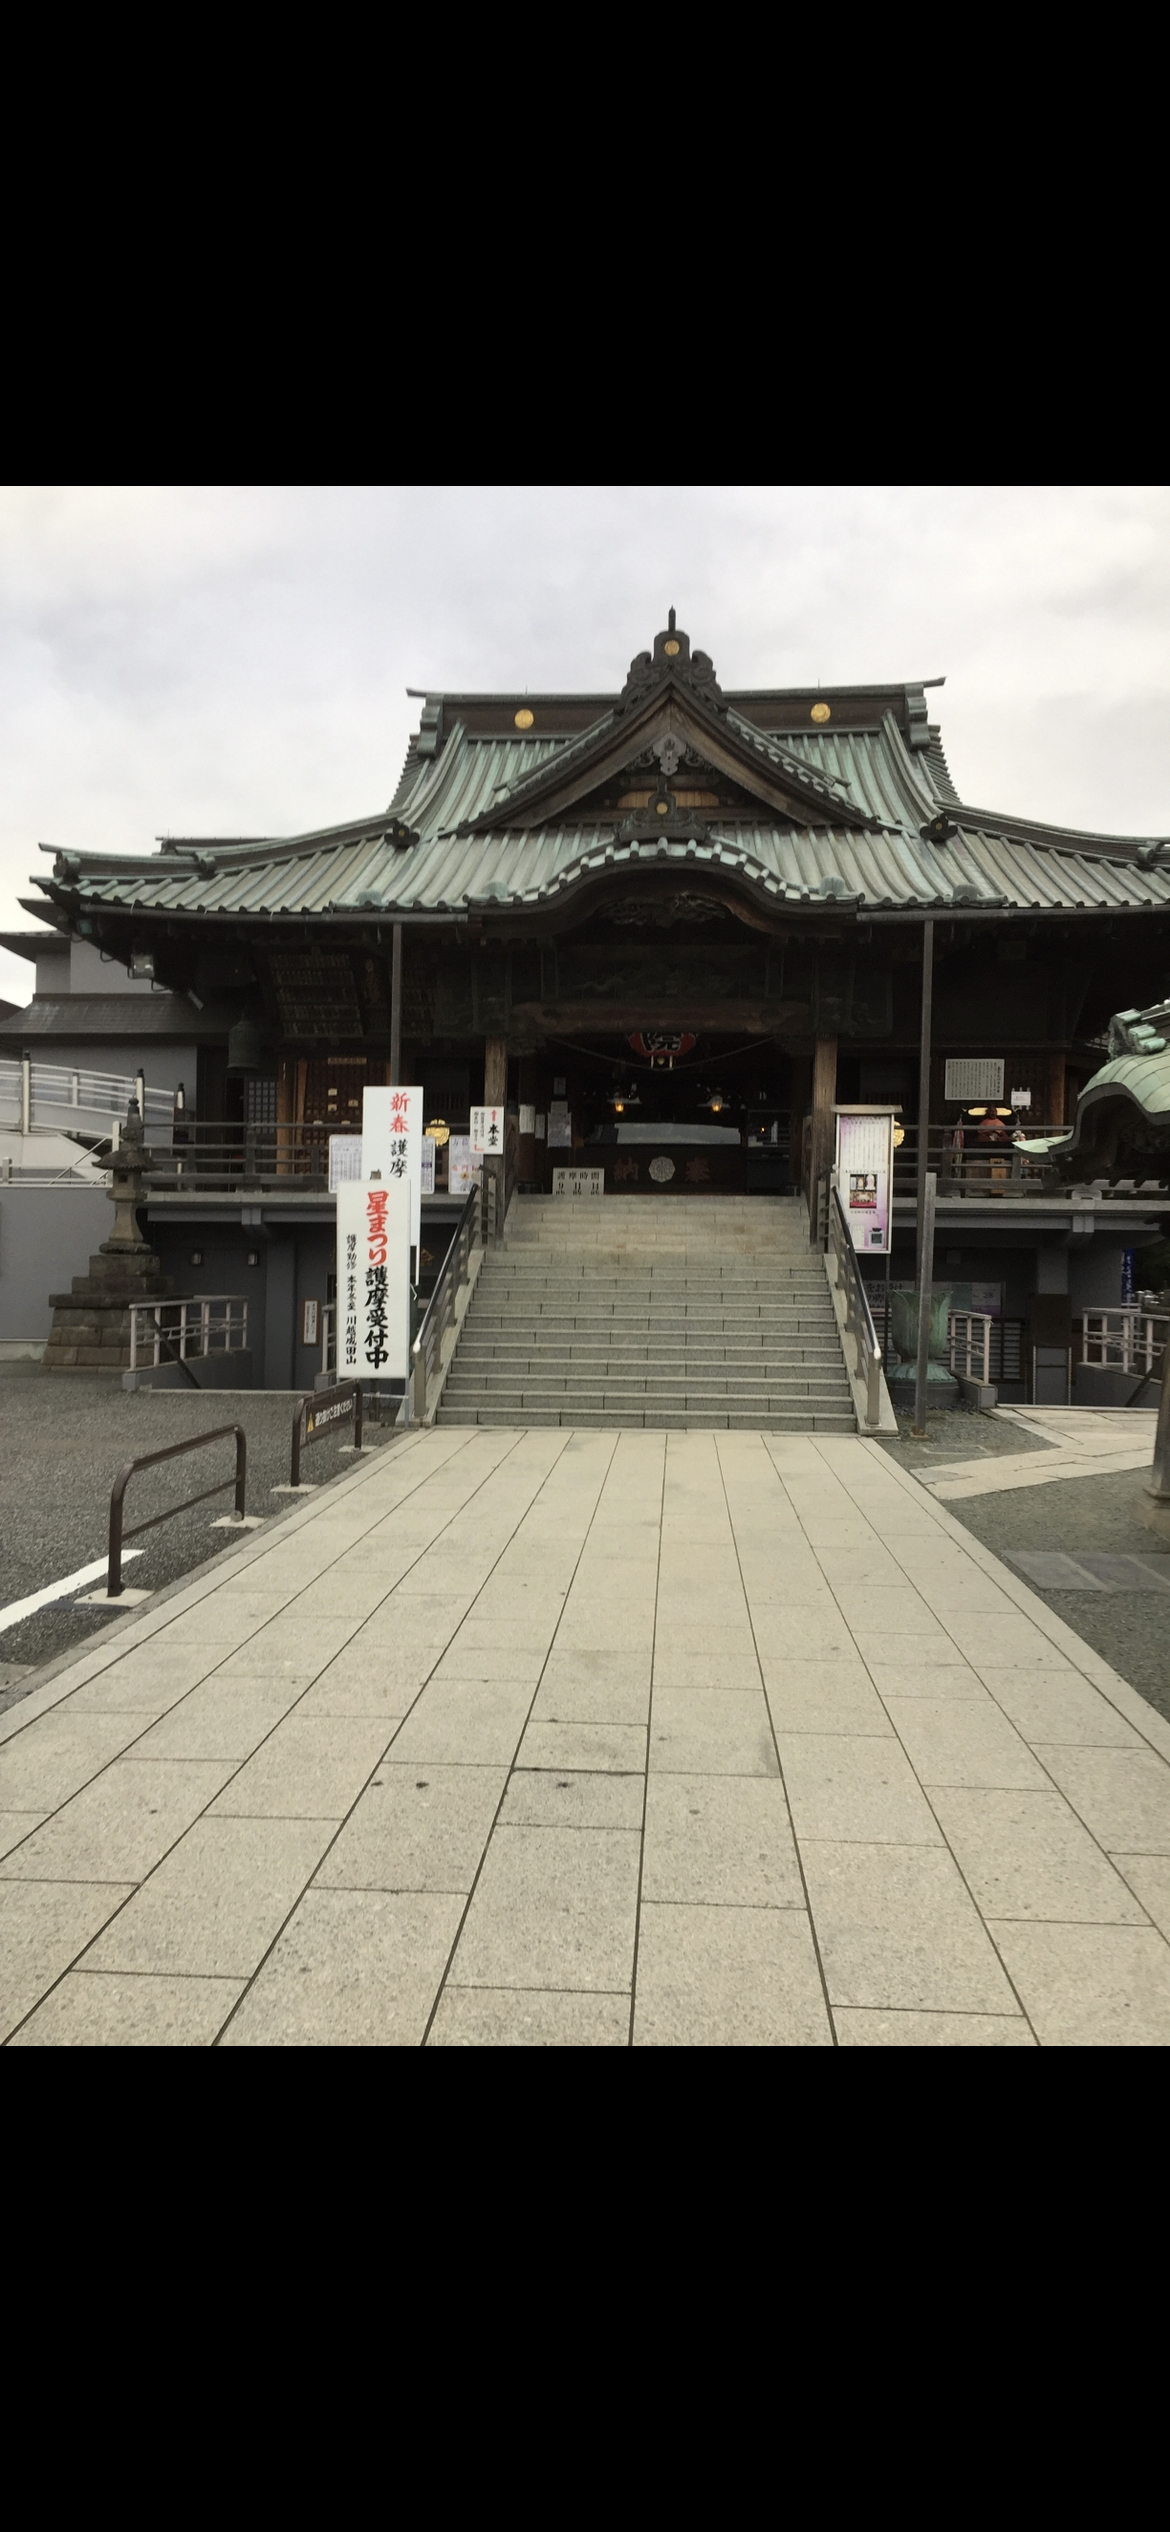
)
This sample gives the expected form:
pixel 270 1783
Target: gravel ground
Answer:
pixel 958 1433
pixel 1107 1513
pixel 65 1439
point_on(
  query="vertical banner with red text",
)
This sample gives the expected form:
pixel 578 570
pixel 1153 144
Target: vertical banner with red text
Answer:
pixel 373 1279
pixel 392 1137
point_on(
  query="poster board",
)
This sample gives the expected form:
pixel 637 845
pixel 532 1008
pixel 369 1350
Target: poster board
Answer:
pixel 865 1176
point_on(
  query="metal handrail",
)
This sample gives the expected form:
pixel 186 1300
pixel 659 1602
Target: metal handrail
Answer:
pixel 175 1450
pixel 968 1331
pixel 1125 1339
pixel 858 1315
pixel 439 1314
pixel 148 1318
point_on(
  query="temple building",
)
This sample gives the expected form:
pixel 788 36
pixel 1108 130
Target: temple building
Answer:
pixel 671 929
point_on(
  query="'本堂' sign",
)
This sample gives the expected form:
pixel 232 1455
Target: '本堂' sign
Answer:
pixel 373 1279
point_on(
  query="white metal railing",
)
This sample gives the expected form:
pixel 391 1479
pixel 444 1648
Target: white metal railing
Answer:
pixel 329 1337
pixel 858 1316
pixel 969 1344
pixel 76 1098
pixel 177 1331
pixel 1128 1339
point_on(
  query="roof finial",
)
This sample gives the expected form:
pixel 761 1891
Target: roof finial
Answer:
pixel 670 621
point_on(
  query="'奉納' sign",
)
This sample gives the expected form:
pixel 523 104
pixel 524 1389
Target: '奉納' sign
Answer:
pixel 373 1279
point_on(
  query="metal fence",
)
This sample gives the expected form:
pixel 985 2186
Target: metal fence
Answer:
pixel 72 1099
pixel 179 1331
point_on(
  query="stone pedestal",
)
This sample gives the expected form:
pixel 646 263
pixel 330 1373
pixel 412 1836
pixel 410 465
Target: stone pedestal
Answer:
pixel 91 1324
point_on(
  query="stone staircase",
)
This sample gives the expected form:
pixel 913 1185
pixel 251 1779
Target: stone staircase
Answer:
pixel 652 1311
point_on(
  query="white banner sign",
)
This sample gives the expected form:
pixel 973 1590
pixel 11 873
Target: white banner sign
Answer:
pixel 560 1127
pixel 392 1137
pixel 428 1166
pixel 865 1174
pixel 487 1130
pixel 373 1280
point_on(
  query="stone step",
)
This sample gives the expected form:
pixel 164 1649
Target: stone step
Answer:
pixel 663 1393
pixel 653 1420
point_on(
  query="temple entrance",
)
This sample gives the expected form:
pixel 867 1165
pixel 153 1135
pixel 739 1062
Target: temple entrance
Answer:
pixel 662 1112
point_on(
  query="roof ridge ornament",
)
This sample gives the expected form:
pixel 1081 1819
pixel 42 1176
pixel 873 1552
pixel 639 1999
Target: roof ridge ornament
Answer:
pixel 671 659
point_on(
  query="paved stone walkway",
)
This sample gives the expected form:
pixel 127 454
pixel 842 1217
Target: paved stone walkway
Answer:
pixel 381 1776
pixel 1079 1442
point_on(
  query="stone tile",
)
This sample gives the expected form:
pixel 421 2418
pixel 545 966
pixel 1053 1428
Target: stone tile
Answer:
pixel 347 1591
pixel 224 1617
pixel 405 1624
pixel 1149 1877
pixel 43 1927
pixel 860 2026
pixel 619 1748
pixel 354 1689
pixel 927 1679
pixel 1091 1986
pixel 57 1754
pixel 604 1688
pixel 415 1832
pixel 222 1718
pixel 910 1652
pixel 827 1696
pixel 878 1643
pixel 686 1659
pixel 953 1741
pixel 552 1908
pixel 1027 1855
pixel 720 1841
pixel 711 1731
pixel 543 1798
pixel 1055 1705
pixel 1123 1796
pixel 854 1788
pixel 94 2010
pixel 147 1681
pixel 216 1902
pixel 15 1825
pixel 528 2017
pixel 896 1928
pixel 119 1826
pixel 810 1633
pixel 309 1769
pixel 728 1978
pixel 352 1969
pixel 466 1663
pixel 1010 1643
pixel 464 1722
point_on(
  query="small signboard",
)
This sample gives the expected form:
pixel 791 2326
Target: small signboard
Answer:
pixel 373 1279
pixel 427 1181
pixel 973 1077
pixel 309 1317
pixel 560 1127
pixel 527 1119
pixel 462 1165
pixel 578 1182
pixel 865 1175
pixel 345 1160
pixel 487 1130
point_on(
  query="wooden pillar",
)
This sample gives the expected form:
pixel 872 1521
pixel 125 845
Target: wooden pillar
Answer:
pixel 1056 1090
pixel 824 1094
pixel 395 1066
pixel 495 1072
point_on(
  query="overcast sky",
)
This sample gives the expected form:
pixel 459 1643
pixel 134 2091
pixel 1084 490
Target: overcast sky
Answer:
pixel 233 662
